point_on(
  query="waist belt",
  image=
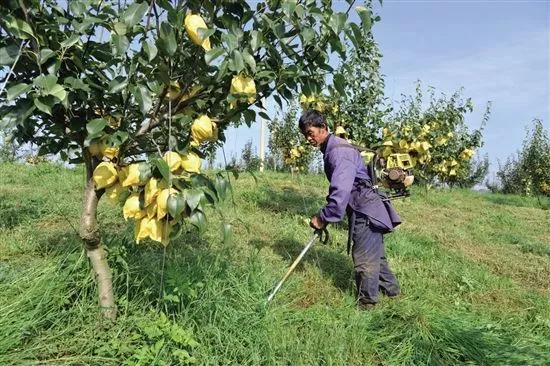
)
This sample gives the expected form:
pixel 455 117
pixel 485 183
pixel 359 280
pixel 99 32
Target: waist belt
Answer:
pixel 364 183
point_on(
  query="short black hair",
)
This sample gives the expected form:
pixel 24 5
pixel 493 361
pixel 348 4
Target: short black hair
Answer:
pixel 313 118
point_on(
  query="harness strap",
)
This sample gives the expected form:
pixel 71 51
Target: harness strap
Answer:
pixel 370 166
pixel 351 228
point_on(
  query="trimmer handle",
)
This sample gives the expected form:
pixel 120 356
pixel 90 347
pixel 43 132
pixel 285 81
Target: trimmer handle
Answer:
pixel 323 235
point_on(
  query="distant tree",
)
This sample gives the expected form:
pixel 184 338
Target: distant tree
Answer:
pixel 477 171
pixel 363 106
pixel 528 172
pixel 286 145
pixel 249 158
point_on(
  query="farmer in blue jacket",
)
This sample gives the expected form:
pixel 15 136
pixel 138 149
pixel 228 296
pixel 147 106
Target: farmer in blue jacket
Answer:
pixel 351 192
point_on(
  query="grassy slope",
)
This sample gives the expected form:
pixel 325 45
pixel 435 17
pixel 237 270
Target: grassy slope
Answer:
pixel 474 270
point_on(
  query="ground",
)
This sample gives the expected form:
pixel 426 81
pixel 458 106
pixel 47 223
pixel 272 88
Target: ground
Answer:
pixel 474 270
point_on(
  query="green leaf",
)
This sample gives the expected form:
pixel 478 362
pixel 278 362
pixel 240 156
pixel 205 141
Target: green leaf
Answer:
pixel 58 91
pixel 167 39
pixel 231 41
pixel 227 233
pixel 120 28
pixel 213 54
pixel 76 84
pixel 288 7
pixel 163 73
pixel 249 116
pixel 45 82
pixel 221 186
pixel 95 126
pixel 337 22
pixel 117 84
pixel 255 40
pixel 118 138
pixel 249 59
pixel 87 23
pixel 194 197
pixel 176 17
pixel 205 33
pixel 150 49
pixel 77 7
pixel 45 55
pixel 70 41
pixel 120 44
pixel 198 220
pixel 339 84
pixel 11 116
pixel 307 34
pixel 176 204
pixel 200 180
pixel 143 98
pixel 264 115
pixel 144 171
pixel 365 15
pixel 8 55
pixel 134 13
pixel 351 36
pixel 278 100
pixel 53 67
pixel 210 197
pixel 18 27
pixel 165 4
pixel 163 168
pixel 279 30
pixel 44 104
pixel 238 62
pixel 17 90
pixel 266 74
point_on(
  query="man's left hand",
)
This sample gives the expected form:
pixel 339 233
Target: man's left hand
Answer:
pixel 317 222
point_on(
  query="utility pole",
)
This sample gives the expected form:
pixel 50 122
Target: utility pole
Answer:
pixel 262 138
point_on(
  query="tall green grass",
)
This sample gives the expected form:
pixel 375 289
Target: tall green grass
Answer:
pixel 203 301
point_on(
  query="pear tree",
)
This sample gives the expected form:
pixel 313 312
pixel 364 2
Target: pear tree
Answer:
pixel 135 90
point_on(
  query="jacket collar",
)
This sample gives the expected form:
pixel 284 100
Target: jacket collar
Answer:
pixel 324 145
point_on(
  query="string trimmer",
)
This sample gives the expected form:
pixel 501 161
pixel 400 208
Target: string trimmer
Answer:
pixel 322 235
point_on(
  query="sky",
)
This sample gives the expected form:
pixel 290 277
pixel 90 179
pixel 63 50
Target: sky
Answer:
pixel 498 51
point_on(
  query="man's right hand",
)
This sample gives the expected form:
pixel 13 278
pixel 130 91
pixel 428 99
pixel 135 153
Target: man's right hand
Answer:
pixel 317 222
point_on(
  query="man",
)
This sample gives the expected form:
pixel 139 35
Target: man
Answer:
pixel 351 192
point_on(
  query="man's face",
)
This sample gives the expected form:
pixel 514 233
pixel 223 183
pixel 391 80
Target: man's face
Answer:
pixel 315 135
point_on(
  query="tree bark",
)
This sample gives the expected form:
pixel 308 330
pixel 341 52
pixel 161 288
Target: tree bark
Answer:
pixel 90 235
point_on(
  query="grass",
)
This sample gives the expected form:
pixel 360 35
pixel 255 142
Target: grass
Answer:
pixel 519 201
pixel 474 270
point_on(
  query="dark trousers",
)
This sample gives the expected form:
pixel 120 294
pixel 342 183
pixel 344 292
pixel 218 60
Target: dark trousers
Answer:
pixel 372 272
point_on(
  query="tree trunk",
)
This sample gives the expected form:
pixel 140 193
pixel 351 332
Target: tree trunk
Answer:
pixel 90 235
